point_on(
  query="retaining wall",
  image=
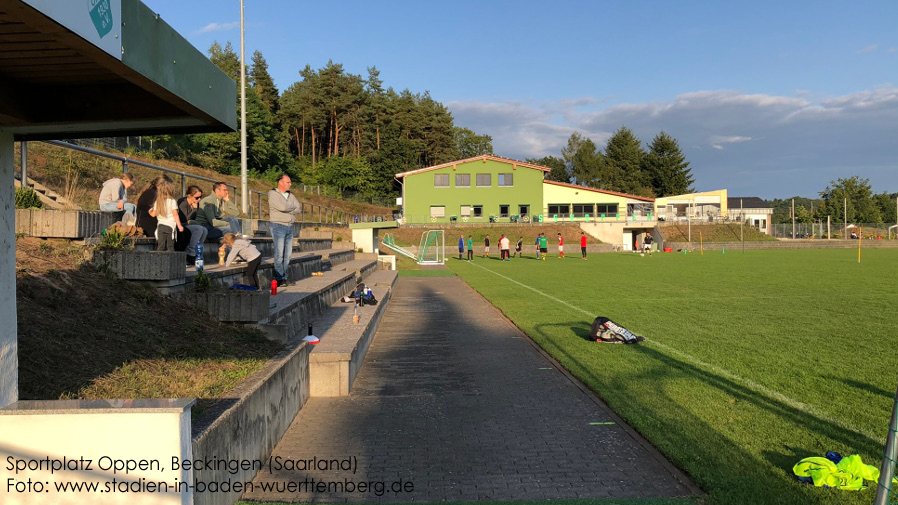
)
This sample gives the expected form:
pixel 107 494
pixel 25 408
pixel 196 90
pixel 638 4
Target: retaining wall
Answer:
pixel 249 428
pixel 46 223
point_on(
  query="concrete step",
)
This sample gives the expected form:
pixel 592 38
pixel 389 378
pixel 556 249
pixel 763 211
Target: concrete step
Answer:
pixel 302 301
pixel 336 360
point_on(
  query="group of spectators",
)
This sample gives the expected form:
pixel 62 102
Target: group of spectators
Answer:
pixel 179 225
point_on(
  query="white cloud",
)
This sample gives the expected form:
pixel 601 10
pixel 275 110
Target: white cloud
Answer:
pixel 892 50
pixel 219 27
pixel 869 49
pixel 753 144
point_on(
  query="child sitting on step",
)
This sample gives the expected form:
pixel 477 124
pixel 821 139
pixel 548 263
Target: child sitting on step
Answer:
pixel 242 247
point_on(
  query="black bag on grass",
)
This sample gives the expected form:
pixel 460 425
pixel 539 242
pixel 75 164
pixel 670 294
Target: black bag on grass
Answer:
pixel 607 331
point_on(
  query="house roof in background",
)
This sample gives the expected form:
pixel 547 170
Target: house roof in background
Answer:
pixel 597 190
pixel 483 157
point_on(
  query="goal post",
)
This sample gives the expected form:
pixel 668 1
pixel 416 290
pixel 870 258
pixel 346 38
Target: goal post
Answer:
pixel 432 250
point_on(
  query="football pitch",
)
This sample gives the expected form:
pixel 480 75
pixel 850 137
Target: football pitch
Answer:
pixel 753 360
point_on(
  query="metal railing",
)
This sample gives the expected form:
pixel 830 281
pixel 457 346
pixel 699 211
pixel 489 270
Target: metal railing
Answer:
pixel 325 215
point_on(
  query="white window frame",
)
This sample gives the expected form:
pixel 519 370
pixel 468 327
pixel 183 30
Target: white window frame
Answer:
pixel 504 179
pixel 438 211
pixel 461 176
pixel 439 176
pixel 489 180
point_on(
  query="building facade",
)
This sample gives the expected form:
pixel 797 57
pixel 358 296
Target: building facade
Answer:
pixel 482 189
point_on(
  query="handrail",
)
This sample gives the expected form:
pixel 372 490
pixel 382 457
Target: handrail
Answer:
pixel 325 214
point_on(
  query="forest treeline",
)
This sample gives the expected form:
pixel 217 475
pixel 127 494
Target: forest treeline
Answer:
pixel 331 127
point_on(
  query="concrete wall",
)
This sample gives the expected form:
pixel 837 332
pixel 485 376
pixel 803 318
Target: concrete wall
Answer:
pixel 249 429
pixel 9 356
pixel 64 223
pixel 101 431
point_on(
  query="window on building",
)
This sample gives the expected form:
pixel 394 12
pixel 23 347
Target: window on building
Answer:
pixel 506 179
pixel 581 210
pixel 462 180
pixel 465 211
pixel 438 211
pixel 559 209
pixel 441 180
pixel 609 209
pixel 524 210
pixel 478 210
pixel 484 180
pixel 503 211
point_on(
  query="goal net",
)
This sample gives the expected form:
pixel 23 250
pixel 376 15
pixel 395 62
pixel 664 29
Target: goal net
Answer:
pixel 432 250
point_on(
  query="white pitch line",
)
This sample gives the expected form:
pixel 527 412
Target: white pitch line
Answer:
pixel 750 384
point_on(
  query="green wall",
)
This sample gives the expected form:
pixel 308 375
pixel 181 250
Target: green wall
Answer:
pixel 420 194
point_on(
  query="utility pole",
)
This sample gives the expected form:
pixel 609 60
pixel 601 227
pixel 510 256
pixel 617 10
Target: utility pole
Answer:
pixel 793 219
pixel 244 186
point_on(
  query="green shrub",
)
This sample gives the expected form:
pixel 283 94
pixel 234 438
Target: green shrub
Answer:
pixel 26 198
pixel 201 282
pixel 113 239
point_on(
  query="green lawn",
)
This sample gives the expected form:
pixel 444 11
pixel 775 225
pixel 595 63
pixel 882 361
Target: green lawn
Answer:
pixel 753 361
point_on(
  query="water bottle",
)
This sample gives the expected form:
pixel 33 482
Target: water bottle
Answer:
pixel 199 256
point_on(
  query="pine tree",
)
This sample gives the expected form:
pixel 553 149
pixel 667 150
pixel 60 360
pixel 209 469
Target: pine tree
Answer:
pixel 623 164
pixel 263 84
pixel 666 167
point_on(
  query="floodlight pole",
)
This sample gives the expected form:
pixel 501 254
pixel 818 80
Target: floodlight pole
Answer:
pixel 742 224
pixel 244 193
pixel 887 469
pixel 845 218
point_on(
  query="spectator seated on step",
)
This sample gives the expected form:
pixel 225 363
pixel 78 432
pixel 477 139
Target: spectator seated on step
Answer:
pixel 218 214
pixel 114 195
pixel 187 208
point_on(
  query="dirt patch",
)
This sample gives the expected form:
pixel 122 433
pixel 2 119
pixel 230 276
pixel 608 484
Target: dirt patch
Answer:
pixel 82 334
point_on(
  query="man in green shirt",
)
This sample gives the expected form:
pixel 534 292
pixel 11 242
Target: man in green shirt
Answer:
pixel 217 213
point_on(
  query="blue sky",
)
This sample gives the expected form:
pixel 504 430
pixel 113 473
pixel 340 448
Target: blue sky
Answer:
pixel 769 99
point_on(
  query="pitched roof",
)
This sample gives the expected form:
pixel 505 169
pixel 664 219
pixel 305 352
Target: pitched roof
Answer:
pixel 597 190
pixel 483 157
pixel 748 202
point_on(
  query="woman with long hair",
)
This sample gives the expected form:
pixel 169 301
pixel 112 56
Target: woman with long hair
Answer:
pixel 166 212
pixel 145 202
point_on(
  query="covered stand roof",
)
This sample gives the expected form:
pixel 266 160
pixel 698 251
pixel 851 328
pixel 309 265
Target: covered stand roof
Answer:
pixel 104 67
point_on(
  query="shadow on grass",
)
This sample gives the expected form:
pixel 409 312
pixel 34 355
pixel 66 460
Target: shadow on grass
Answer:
pixel 724 468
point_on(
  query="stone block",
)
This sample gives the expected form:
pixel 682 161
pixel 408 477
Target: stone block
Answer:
pixel 230 306
pixel 142 265
pixel 64 223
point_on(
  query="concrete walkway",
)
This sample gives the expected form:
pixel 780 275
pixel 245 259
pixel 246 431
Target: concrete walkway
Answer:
pixel 457 405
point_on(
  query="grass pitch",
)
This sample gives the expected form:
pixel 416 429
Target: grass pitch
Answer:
pixel 753 361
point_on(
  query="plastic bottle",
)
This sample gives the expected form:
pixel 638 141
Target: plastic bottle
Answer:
pixel 221 256
pixel 199 256
pixel 355 314
pixel 274 287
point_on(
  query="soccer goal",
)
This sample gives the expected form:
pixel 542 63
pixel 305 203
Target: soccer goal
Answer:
pixel 432 250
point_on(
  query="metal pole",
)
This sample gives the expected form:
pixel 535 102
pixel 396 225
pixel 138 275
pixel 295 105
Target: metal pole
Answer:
pixel 244 194
pixel 24 149
pixel 125 166
pixel 845 217
pixel 887 470
pixel 742 224
pixel 183 185
pixel 793 219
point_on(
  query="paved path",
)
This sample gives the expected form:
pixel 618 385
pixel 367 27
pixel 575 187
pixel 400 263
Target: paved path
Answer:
pixel 455 402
